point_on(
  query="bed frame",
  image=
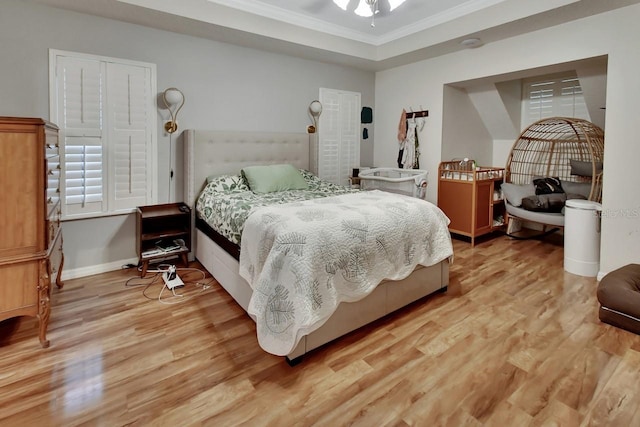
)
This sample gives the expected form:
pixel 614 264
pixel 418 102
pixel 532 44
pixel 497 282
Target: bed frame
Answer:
pixel 217 153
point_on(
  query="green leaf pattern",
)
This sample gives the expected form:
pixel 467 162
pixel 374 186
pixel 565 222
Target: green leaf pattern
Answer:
pixel 226 202
pixel 280 313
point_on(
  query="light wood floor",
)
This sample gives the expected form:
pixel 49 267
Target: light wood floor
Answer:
pixel 515 341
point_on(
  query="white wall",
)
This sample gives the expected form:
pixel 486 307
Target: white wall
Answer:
pixel 463 132
pixel 226 87
pixel 614 33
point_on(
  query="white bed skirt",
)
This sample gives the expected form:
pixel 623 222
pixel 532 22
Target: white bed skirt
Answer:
pixel 386 298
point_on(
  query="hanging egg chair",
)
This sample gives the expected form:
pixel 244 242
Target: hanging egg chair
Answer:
pixel 568 148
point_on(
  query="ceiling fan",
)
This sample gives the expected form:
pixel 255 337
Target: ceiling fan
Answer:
pixel 368 8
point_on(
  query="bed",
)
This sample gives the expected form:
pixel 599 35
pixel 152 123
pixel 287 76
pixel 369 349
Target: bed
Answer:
pixel 216 153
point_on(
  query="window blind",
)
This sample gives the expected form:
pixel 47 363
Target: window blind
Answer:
pixel 559 96
pixel 105 109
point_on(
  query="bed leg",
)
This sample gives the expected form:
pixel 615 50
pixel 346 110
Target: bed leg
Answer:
pixel 295 361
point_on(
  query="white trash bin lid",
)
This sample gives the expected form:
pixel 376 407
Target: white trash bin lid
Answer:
pixel 586 205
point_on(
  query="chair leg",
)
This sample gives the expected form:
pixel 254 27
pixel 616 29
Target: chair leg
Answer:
pixel 513 224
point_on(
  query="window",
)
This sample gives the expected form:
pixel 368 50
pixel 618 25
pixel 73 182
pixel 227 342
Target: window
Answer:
pixel 105 109
pixel 554 96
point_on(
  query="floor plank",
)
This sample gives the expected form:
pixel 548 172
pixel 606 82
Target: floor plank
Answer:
pixel 515 341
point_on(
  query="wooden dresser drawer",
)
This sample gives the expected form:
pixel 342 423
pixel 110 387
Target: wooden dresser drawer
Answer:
pixel 53 224
pixel 53 182
pixel 18 290
pixel 55 257
pixel 52 147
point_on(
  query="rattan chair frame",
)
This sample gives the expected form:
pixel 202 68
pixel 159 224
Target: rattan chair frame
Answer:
pixel 545 148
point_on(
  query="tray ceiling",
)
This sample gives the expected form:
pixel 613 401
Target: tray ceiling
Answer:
pixel 320 30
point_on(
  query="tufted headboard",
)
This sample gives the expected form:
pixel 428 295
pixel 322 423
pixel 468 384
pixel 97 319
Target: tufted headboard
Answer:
pixel 223 152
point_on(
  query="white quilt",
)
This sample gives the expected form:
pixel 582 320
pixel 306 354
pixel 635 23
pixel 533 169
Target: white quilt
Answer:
pixel 303 259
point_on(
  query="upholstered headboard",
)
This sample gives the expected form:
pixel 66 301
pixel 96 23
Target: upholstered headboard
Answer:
pixel 223 152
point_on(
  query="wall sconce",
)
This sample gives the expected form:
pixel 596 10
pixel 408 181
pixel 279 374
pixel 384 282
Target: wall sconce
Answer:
pixel 173 100
pixel 315 109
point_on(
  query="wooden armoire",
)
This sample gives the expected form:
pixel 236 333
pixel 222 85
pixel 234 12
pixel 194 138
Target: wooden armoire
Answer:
pixel 31 244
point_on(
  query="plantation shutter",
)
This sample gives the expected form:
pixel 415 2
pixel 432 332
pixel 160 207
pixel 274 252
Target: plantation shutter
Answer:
pixel 329 137
pixel 571 100
pixel 105 109
pixel 553 97
pixel 339 135
pixel 350 135
pixel 79 98
pixel 129 135
pixel 539 101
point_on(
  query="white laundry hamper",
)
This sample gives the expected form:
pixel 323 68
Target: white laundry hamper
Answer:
pixel 582 237
pixel 410 182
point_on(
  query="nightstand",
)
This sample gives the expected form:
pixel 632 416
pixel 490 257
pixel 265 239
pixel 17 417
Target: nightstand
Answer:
pixel 354 181
pixel 163 231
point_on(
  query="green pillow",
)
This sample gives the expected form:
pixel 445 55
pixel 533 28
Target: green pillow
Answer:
pixel 270 178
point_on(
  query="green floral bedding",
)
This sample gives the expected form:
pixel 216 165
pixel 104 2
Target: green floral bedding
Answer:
pixel 226 201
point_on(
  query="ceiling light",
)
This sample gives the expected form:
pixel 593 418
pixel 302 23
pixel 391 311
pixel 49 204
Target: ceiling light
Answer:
pixel 394 3
pixel 342 3
pixel 368 8
pixel 471 43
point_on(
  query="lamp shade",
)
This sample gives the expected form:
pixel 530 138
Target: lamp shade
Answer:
pixel 316 108
pixel 173 96
pixel 174 100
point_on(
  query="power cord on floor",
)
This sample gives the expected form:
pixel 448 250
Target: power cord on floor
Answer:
pixel 204 287
pixel 175 298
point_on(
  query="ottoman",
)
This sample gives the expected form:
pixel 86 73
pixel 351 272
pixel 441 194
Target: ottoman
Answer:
pixel 619 297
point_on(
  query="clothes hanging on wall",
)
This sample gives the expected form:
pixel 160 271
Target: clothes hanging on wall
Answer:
pixel 416 164
pixel 408 130
pixel 402 127
pixel 402 135
pixel 409 149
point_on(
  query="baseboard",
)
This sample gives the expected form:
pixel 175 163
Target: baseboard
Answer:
pixel 75 273
pixel 600 275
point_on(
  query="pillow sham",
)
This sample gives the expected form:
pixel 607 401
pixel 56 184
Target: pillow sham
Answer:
pixel 309 177
pixel 271 178
pixel 227 183
pixel 582 168
pixel 514 193
pixel 548 185
pixel 582 188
